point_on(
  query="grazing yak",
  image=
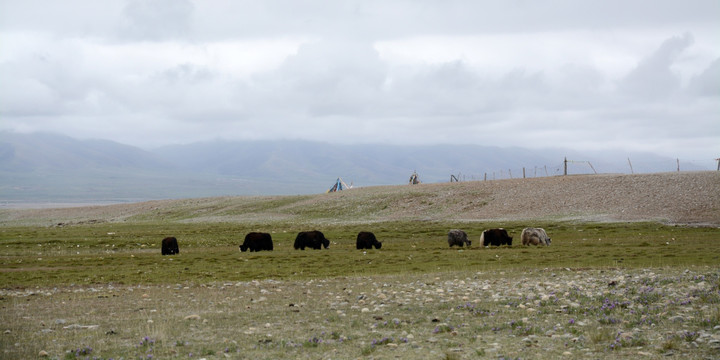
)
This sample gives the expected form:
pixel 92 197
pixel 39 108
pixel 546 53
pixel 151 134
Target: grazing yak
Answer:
pixel 457 237
pixel 170 246
pixel 311 239
pixel 535 236
pixel 495 237
pixel 257 241
pixel 366 240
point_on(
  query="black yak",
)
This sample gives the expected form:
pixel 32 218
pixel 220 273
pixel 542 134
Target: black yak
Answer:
pixel 256 241
pixel 495 237
pixel 366 240
pixel 311 239
pixel 170 246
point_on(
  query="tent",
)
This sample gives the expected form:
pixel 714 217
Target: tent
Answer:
pixel 414 178
pixel 339 185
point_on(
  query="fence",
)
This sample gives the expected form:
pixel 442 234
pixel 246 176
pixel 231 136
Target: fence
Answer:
pixel 579 167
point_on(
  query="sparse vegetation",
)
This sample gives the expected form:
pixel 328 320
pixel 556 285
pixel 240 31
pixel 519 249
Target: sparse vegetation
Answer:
pixel 79 284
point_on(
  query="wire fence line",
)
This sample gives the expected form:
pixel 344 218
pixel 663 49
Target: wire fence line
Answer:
pixel 581 167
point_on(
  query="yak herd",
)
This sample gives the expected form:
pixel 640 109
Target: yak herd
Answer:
pixel 259 241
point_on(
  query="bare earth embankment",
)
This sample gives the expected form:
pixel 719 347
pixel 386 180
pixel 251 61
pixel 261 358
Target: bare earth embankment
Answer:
pixel 683 198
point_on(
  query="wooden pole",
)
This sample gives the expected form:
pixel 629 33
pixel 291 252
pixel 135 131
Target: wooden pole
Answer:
pixel 565 162
pixel 523 172
pixel 485 179
pixel 510 173
pixel 718 160
pixel 631 169
pixel 546 174
pixel 678 164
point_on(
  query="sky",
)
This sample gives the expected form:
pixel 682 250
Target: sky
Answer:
pixel 622 75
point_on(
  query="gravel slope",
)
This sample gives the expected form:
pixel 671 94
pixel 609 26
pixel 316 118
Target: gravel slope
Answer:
pixel 684 198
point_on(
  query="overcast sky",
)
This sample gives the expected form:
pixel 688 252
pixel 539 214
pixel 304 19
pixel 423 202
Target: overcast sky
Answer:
pixel 587 75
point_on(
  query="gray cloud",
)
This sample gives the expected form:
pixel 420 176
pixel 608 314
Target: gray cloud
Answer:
pixel 707 83
pixel 599 75
pixel 653 77
pixel 157 19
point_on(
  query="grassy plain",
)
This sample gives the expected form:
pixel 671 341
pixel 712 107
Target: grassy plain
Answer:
pixel 128 253
pixel 103 291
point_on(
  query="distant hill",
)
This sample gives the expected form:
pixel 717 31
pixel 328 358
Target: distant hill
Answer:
pixel 55 168
pixel 47 151
pixel 684 198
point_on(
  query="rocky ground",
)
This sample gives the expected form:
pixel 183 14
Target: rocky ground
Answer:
pixel 537 314
pixel 685 198
pixel 541 314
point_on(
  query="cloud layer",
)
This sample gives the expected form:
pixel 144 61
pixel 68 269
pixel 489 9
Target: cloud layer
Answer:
pixel 607 75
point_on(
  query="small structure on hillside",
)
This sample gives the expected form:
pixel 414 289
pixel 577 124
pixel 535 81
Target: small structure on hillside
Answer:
pixel 339 185
pixel 414 178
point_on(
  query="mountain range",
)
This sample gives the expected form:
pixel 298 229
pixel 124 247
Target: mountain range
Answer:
pixel 48 167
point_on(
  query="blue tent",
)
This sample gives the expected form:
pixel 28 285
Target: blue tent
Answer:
pixel 339 185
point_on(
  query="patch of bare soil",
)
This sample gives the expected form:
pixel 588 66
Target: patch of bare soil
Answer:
pixel 667 197
pixel 676 198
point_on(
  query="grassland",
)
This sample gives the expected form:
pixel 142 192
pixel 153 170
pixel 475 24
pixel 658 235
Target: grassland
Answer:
pixel 128 253
pixel 90 282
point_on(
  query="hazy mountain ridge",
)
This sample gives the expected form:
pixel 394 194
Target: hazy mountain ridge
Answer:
pixel 46 151
pixel 51 167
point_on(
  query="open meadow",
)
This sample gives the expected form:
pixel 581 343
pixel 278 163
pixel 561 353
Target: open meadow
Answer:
pixel 633 272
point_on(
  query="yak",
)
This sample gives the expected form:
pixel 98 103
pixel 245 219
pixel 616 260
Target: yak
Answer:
pixel 311 239
pixel 366 240
pixel 257 241
pixel 457 237
pixel 535 236
pixel 495 237
pixel 170 246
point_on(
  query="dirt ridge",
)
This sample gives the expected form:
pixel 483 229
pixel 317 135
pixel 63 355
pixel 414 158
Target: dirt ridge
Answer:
pixel 676 198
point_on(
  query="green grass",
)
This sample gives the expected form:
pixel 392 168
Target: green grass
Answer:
pixel 129 253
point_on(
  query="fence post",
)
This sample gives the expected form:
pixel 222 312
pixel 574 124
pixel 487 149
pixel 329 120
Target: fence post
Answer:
pixel 593 169
pixel 565 163
pixel 523 172
pixel 718 160
pixel 485 179
pixel 631 169
pixel 678 163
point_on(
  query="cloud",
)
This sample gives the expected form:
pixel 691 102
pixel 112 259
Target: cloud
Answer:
pixel 653 77
pixel 707 83
pixel 157 19
pixel 558 73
